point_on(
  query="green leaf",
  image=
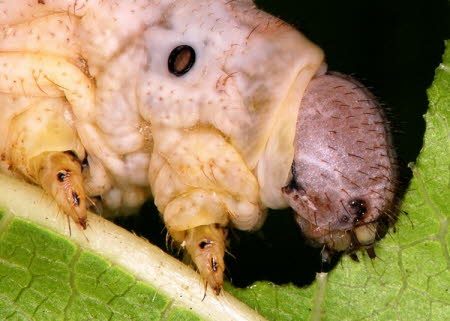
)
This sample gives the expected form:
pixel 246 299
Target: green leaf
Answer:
pixel 45 277
pixel 410 279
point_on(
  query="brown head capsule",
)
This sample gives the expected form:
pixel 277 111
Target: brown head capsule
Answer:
pixel 343 174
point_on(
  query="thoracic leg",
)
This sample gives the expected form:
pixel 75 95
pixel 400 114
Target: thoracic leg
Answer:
pixel 206 246
pixel 59 173
pixel 201 184
pixel 35 139
pixel 41 145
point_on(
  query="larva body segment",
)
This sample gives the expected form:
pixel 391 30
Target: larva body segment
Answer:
pixel 344 173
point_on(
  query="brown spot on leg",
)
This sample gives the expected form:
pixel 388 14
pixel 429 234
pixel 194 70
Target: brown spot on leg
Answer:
pixel 214 264
pixel 76 199
pixel 83 223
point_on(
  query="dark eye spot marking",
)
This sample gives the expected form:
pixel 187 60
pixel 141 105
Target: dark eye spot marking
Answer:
pixel 181 60
pixel 62 175
pixel 359 208
pixel 203 244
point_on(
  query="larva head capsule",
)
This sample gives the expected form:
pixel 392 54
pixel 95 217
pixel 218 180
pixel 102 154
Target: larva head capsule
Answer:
pixel 343 173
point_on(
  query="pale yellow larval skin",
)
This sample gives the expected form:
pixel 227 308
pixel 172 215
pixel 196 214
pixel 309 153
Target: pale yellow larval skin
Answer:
pixel 213 147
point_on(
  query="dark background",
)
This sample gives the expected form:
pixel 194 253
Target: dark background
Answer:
pixel 392 47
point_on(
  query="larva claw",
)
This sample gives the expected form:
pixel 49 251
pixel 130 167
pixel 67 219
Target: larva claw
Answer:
pixel 206 246
pixel 60 175
pixel 371 252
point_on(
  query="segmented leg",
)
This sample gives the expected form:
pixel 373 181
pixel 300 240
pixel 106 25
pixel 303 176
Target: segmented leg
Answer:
pixel 35 146
pixel 201 184
pixel 35 139
pixel 206 246
pixel 59 173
